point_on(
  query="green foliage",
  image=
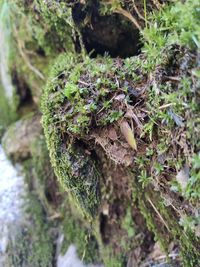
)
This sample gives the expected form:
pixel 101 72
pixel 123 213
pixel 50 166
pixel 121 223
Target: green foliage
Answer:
pixel 192 191
pixel 81 89
pixel 112 260
pixel 110 6
pixel 51 26
pixel 69 90
pixel 75 169
pixel 144 179
pixel 175 24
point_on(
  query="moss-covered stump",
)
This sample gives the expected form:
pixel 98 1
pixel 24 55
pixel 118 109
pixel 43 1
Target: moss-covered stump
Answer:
pixel 77 171
pixel 142 113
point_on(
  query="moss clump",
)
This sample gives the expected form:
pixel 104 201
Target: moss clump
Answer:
pixel 80 96
pixel 74 167
pixel 70 221
pixel 81 92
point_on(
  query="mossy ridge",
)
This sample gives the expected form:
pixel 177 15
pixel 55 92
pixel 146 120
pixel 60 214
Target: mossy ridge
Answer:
pixel 70 220
pixel 82 181
pixel 87 91
pixel 34 46
pixel 29 64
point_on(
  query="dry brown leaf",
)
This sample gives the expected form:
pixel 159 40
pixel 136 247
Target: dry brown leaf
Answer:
pixel 112 134
pixel 128 134
pixel 120 97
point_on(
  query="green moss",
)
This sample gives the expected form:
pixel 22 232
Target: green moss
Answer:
pixel 111 260
pixel 186 240
pixel 79 233
pixel 75 230
pixel 72 106
pixel 108 256
pixel 33 244
pixel 50 26
pixel 90 103
pixel 128 224
pixel 38 35
pixel 76 172
pixel 178 24
pixel 192 191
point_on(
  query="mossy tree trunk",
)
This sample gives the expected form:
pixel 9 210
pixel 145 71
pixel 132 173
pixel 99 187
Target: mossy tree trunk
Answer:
pixel 121 118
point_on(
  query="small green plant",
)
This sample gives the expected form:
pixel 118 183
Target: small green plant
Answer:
pixel 192 191
pixel 114 116
pixel 144 179
pixel 70 89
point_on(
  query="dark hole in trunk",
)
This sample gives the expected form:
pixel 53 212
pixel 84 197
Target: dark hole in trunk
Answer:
pixel 113 35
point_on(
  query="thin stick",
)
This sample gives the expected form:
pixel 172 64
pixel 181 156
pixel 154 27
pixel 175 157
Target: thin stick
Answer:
pixel 137 11
pixel 159 215
pixel 128 16
pixel 26 59
pixel 145 12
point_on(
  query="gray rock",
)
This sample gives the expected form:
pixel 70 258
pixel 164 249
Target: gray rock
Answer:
pixel 20 135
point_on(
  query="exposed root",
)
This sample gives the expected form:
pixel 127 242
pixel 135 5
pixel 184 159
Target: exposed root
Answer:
pixel 128 15
pixel 25 57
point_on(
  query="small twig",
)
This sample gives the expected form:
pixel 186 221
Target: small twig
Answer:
pixel 157 4
pixel 63 72
pixel 84 83
pixel 167 105
pixel 104 106
pixel 177 79
pixel 162 257
pixel 171 255
pixel 128 16
pixel 158 213
pixel 25 58
pixel 145 12
pixel 137 11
